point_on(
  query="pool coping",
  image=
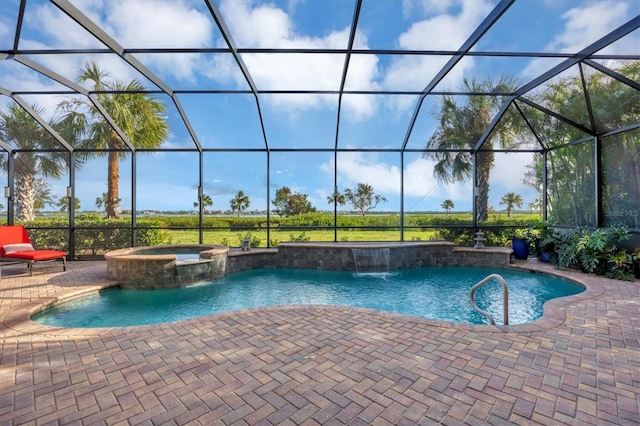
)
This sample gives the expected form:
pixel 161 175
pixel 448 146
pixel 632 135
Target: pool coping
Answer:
pixel 554 311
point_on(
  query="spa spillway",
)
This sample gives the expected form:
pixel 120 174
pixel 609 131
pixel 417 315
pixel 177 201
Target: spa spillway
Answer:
pixel 168 266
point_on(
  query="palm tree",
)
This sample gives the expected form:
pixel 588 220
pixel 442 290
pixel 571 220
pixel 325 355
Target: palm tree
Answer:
pixel 138 115
pixel 535 205
pixel 461 127
pixel 101 201
pixel 336 198
pixel 18 128
pixel 43 195
pixel 63 204
pixel 207 201
pixel 511 199
pixel 447 205
pixel 240 202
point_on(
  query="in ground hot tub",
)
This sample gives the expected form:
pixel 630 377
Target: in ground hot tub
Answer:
pixel 161 267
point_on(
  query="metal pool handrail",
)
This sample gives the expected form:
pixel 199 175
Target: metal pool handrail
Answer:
pixel 505 298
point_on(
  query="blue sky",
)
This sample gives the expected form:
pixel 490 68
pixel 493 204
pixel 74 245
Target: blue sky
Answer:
pixel 168 180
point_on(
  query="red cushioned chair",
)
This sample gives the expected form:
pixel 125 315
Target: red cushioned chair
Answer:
pixel 15 244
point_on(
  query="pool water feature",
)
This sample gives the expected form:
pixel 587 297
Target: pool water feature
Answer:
pixel 371 260
pixel 440 293
pixel 164 267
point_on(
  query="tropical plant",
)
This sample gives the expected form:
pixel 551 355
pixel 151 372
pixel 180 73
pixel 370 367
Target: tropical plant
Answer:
pixel 63 204
pixel 589 250
pixel 101 201
pixel 336 198
pixel 621 178
pixel 300 237
pixel 635 257
pixel 533 178
pixel 43 195
pixel 287 203
pixel 447 205
pixel 462 126
pixel 41 158
pixel 535 205
pixel 546 237
pixel 571 169
pixel 207 201
pixel 621 265
pixel 363 198
pixel 239 203
pixel 139 116
pixel 511 200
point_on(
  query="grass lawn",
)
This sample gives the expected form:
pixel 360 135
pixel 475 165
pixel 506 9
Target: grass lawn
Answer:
pixel 234 238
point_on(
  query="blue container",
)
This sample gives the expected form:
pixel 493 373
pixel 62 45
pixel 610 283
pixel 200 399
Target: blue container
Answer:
pixel 520 248
pixel 546 256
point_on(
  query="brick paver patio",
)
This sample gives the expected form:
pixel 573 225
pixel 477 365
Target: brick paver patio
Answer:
pixel 578 365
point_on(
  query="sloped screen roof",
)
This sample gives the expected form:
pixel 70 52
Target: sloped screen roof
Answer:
pixel 312 75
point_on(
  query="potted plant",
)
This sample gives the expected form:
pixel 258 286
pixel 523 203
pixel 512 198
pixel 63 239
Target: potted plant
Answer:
pixel 520 243
pixel 546 244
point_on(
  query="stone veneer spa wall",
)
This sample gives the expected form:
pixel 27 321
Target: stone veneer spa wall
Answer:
pixel 158 267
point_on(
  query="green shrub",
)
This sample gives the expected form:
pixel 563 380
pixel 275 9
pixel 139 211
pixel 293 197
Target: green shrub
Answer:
pixel 300 237
pixel 594 251
pixel 94 234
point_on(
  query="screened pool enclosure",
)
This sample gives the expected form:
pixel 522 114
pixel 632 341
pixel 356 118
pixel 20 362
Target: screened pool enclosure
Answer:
pixel 143 122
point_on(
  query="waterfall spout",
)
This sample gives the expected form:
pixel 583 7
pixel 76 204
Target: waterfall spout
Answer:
pixel 371 260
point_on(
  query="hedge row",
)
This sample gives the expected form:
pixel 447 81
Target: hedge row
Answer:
pixel 324 219
pixel 93 234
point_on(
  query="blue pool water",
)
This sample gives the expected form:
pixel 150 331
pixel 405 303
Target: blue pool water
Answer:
pixel 181 253
pixel 437 292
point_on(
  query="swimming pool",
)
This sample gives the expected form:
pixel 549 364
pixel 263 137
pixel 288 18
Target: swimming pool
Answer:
pixel 436 292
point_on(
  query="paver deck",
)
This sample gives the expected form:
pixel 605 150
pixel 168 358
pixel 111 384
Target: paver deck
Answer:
pixel 579 364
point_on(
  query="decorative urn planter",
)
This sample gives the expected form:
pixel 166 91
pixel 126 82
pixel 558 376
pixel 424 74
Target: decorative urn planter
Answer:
pixel 520 248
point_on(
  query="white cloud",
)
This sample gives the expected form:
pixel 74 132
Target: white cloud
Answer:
pixel 441 32
pixel 295 71
pixel 58 29
pixel 507 175
pixel 583 26
pixel 411 8
pixel 261 26
pixel 47 27
pixel 420 182
pixel 358 167
pixel 174 24
pixel 5 33
pixel 267 26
